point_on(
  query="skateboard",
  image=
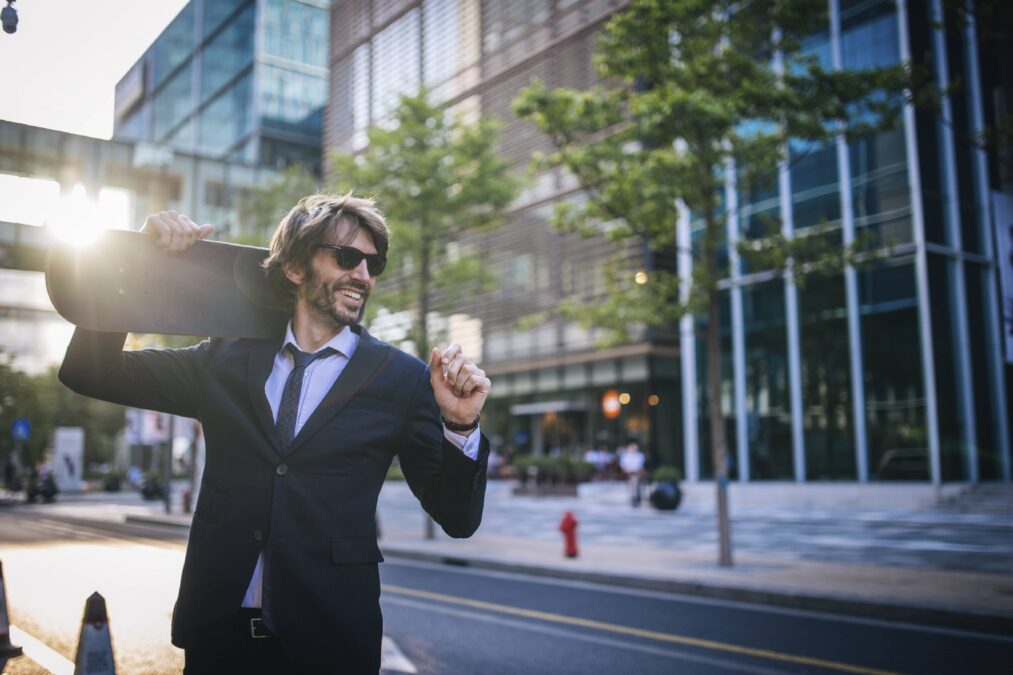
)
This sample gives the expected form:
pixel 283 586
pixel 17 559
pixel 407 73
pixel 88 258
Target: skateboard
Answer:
pixel 125 283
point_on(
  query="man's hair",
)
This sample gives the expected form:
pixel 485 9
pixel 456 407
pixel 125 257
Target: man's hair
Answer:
pixel 316 220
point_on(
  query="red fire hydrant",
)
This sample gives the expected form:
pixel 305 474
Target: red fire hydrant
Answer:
pixel 568 526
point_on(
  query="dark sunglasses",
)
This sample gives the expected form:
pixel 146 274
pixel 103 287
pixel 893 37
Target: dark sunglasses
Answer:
pixel 349 257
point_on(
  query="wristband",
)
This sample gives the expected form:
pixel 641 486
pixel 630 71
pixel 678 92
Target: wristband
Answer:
pixel 461 428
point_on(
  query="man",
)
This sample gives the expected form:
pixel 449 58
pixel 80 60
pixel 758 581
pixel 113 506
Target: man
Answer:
pixel 631 461
pixel 281 573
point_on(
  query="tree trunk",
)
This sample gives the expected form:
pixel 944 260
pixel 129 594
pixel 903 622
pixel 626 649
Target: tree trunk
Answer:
pixel 422 337
pixel 422 346
pixel 719 445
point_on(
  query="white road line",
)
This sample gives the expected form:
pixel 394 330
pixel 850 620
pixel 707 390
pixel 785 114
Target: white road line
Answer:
pixel 41 653
pixel 723 665
pixel 392 659
pixel 698 600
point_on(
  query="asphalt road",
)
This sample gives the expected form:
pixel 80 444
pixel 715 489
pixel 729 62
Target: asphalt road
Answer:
pixel 459 620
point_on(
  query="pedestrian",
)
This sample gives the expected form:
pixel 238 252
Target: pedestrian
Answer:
pixel 631 461
pixel 281 571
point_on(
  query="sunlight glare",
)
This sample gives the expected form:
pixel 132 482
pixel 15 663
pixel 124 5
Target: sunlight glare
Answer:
pixel 75 219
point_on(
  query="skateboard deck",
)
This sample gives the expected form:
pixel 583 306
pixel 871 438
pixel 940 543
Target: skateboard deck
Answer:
pixel 126 283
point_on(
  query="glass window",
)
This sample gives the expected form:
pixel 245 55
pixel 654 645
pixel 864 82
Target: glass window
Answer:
pixel 768 407
pixel 880 194
pixel 228 53
pixel 879 187
pixel 507 21
pixel 348 115
pixel 174 45
pixel 828 418
pixel 173 103
pixel 986 361
pixel 183 137
pixel 894 387
pixel 215 12
pixel 132 126
pixel 395 63
pixel 727 388
pixel 451 39
pixel 227 119
pixel 816 192
pixel 296 31
pixel 946 352
pixel 292 101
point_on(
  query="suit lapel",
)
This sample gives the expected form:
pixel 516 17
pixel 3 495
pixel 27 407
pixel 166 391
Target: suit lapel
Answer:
pixel 368 356
pixel 258 370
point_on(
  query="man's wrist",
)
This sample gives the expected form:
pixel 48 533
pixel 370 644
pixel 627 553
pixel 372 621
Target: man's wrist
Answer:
pixel 459 428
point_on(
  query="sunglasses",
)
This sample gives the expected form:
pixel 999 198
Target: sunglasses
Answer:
pixel 348 258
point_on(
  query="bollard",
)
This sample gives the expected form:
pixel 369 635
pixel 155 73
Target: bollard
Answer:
pixel 568 526
pixel 7 650
pixel 95 645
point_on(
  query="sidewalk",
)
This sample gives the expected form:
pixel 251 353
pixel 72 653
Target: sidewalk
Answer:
pixel 927 566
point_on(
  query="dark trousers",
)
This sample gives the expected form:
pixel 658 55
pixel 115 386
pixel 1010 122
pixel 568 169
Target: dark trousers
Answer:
pixel 240 653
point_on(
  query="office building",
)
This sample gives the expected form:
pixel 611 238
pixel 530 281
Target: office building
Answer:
pixel 896 371
pixel 239 80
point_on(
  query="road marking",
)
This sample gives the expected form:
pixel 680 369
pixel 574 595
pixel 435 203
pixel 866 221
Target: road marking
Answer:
pixel 722 665
pixel 635 632
pixel 603 587
pixel 41 653
pixel 393 659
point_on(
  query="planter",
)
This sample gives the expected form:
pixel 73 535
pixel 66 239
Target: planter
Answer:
pixel 530 489
pixel 665 496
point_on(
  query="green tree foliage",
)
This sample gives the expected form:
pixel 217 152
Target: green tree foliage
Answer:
pixel 436 178
pixel 48 404
pixel 266 205
pixel 693 90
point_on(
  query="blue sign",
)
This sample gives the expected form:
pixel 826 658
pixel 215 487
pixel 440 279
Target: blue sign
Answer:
pixel 21 429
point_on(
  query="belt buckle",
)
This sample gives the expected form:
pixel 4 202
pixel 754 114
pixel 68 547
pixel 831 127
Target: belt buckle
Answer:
pixel 253 629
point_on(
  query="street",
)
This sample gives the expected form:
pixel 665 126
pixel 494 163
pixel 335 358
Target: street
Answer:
pixel 447 619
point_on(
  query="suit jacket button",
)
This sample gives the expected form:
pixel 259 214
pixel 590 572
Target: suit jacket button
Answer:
pixel 258 535
pixel 281 470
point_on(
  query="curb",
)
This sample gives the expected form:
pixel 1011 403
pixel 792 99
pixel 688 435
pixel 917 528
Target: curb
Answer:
pixel 943 616
pixel 168 521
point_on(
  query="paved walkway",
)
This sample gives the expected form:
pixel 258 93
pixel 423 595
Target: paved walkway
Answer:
pixel 928 565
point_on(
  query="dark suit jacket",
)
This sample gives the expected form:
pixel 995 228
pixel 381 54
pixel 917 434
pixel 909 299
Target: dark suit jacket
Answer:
pixel 312 507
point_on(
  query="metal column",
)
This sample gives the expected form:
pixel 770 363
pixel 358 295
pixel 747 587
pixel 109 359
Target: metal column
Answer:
pixel 850 276
pixel 921 260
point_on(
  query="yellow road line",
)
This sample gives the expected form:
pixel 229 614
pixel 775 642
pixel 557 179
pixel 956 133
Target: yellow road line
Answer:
pixel 636 632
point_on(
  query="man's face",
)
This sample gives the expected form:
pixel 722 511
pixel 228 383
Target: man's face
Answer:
pixel 333 294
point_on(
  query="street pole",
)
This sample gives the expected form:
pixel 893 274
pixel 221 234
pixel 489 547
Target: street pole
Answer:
pixel 167 467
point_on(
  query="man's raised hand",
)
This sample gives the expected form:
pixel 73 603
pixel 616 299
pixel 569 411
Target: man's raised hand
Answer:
pixel 459 385
pixel 175 231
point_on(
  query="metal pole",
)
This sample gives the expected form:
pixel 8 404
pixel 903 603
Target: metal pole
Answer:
pixel 167 465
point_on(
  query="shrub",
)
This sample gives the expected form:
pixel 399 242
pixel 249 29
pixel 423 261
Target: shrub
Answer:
pixel 667 474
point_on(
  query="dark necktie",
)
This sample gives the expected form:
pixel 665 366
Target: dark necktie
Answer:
pixel 288 410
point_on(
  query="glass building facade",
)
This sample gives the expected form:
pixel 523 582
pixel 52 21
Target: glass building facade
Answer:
pixel 239 80
pixel 892 371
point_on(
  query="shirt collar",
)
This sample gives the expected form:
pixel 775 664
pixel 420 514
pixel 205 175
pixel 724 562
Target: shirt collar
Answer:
pixel 344 342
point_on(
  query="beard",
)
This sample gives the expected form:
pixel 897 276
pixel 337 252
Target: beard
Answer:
pixel 325 301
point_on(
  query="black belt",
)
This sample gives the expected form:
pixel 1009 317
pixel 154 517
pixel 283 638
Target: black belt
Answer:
pixel 251 624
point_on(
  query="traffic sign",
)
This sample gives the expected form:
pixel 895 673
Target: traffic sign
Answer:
pixel 21 429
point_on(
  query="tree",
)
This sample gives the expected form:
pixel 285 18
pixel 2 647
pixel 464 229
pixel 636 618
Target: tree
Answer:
pixel 436 178
pixel 267 204
pixel 48 404
pixel 697 91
